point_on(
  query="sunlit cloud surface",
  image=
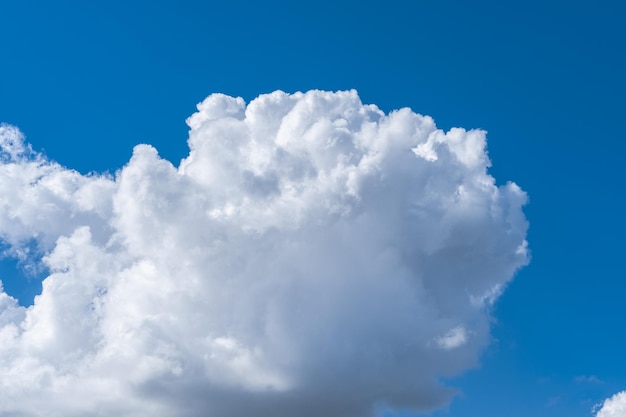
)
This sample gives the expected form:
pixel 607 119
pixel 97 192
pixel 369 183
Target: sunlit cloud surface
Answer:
pixel 311 256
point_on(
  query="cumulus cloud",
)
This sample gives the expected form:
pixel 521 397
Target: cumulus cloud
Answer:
pixel 311 256
pixel 614 406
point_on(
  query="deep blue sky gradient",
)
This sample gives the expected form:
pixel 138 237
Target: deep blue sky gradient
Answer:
pixel 86 81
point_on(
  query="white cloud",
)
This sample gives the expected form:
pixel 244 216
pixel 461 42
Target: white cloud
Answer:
pixel 453 338
pixel 614 406
pixel 311 256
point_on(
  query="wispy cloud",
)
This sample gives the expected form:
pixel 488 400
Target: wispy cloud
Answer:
pixel 592 379
pixel 311 256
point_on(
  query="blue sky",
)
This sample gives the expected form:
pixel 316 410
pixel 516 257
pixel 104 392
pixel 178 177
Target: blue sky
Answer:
pixel 87 81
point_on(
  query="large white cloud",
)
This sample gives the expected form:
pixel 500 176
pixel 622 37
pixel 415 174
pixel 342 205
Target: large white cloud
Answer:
pixel 614 406
pixel 312 256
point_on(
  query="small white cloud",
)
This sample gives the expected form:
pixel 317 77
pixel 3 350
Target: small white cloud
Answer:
pixel 12 143
pixel 614 406
pixel 310 256
pixel 454 338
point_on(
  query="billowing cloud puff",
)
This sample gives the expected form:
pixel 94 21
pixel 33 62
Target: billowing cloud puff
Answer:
pixel 614 406
pixel 311 256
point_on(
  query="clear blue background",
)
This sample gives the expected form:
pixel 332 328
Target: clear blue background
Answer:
pixel 86 81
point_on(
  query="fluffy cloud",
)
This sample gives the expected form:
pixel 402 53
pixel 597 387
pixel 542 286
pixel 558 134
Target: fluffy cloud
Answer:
pixel 614 406
pixel 311 256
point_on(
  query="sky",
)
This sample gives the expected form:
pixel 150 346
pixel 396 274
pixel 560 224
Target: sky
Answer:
pixel 339 275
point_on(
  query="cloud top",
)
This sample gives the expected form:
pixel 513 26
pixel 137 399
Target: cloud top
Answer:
pixel 310 256
pixel 614 406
